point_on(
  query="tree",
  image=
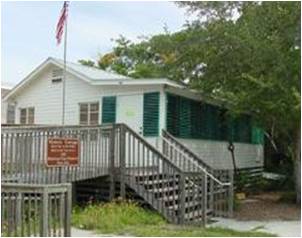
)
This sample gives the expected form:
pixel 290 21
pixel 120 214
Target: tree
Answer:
pixel 87 62
pixel 251 61
pixel 254 63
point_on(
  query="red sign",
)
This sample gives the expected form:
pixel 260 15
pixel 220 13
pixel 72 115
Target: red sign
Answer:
pixel 62 152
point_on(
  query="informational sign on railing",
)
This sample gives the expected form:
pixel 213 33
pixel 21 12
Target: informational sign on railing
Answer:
pixel 62 152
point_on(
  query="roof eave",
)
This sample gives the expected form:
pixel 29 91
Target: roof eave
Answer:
pixel 138 82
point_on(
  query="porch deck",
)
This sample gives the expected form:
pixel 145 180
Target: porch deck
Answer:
pixel 174 182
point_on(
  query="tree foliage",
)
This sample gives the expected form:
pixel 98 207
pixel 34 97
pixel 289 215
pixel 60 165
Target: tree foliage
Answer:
pixel 251 61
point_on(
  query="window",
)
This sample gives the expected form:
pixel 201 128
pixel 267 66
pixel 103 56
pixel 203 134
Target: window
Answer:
pixel 31 115
pixel 23 116
pixel 151 114
pixel 27 115
pixel 187 118
pixel 89 113
pixel 10 114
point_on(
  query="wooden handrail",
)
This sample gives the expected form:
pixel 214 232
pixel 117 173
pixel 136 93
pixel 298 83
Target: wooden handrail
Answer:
pixel 166 134
pixel 150 147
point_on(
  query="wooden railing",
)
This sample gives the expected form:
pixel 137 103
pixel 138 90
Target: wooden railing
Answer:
pixel 24 153
pixel 35 210
pixel 168 188
pixel 219 182
pixel 173 181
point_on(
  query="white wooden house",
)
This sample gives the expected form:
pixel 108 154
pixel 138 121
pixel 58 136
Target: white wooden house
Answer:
pixel 7 110
pixel 94 96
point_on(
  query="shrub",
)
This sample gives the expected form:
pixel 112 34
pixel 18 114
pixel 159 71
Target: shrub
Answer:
pixel 114 216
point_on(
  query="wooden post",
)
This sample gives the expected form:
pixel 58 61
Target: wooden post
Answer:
pixel 68 207
pixel 182 202
pixel 112 163
pixel 231 193
pixel 44 220
pixel 74 192
pixel 211 200
pixel 18 221
pixel 122 162
pixel 204 199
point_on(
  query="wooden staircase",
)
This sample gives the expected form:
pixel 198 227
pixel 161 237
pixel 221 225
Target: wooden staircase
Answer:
pixel 166 192
pixel 173 180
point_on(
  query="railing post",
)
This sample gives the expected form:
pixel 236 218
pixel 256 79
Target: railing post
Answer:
pixel 18 210
pixel 44 217
pixel 231 193
pixel 122 162
pixel 211 190
pixel 68 207
pixel 182 201
pixel 204 199
pixel 112 163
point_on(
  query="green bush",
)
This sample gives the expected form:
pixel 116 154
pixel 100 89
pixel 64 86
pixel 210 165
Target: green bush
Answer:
pixel 114 216
pixel 241 181
pixel 127 218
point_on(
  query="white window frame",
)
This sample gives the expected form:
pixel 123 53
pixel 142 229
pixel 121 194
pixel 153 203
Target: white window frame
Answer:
pixel 10 113
pixel 89 112
pixel 27 115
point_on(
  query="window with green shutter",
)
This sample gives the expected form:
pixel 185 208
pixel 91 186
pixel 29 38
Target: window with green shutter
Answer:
pixel 108 109
pixel 257 135
pixel 151 114
pixel 173 114
pixel 188 118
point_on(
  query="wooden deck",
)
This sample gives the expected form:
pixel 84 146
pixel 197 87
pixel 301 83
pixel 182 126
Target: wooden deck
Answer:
pixel 173 181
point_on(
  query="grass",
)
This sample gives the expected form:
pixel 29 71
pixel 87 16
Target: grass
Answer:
pixel 127 218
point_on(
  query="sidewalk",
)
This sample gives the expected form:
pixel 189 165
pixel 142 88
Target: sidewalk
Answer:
pixel 279 228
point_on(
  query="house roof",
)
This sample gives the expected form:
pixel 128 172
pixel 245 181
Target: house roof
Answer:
pixel 7 85
pixel 92 75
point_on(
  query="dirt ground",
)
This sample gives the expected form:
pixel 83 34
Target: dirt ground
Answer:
pixel 267 206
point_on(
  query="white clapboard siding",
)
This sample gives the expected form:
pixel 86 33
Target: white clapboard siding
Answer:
pixel 217 155
pixel 46 97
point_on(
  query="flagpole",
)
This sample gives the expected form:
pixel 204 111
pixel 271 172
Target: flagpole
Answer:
pixel 64 73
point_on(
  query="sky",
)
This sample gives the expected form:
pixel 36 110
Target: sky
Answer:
pixel 28 30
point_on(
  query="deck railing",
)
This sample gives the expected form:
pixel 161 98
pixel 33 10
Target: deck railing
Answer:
pixel 219 182
pixel 35 210
pixel 24 153
pixel 179 193
pixel 175 182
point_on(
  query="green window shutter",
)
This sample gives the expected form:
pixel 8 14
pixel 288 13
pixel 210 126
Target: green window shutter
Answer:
pixel 108 109
pixel 185 118
pixel 242 129
pixel 173 114
pixel 196 122
pixel 151 114
pixel 257 135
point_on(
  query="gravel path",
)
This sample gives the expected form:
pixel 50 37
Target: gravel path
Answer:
pixel 279 228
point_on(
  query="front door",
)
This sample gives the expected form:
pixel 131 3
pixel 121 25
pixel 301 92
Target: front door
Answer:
pixel 129 110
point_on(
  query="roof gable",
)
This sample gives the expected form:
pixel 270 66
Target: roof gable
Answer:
pixel 91 75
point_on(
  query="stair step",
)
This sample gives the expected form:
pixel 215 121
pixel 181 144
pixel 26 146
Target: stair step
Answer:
pixel 187 205
pixel 158 181
pixel 170 188
pixel 163 190
pixel 144 173
pixel 197 214
pixel 175 197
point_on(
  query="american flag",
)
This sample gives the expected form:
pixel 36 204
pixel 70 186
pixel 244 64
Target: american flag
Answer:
pixel 61 22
